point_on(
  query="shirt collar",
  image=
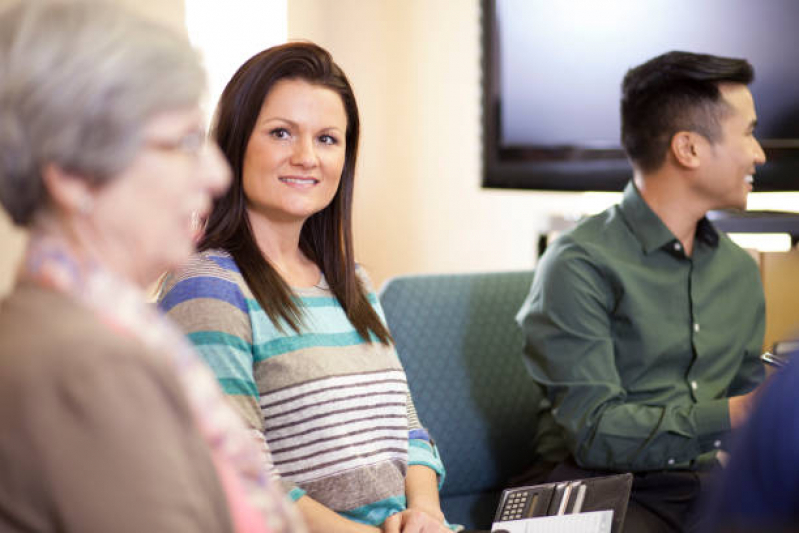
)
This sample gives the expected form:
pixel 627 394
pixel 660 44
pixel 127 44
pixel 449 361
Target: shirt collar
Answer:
pixel 650 231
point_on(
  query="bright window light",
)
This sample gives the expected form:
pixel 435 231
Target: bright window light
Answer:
pixel 228 33
pixel 762 242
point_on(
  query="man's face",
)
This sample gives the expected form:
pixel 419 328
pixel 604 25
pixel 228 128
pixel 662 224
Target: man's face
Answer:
pixel 730 162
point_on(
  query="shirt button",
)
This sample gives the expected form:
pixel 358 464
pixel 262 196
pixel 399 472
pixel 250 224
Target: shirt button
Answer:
pixel 717 444
pixel 696 327
pixel 694 385
pixel 677 247
pixel 671 462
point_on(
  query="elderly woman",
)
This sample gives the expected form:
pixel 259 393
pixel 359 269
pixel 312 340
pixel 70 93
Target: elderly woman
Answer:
pixel 277 306
pixel 109 420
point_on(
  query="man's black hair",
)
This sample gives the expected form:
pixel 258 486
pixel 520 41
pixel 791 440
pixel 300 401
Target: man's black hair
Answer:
pixel 675 91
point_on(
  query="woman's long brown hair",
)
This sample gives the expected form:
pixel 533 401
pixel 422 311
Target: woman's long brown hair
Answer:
pixel 326 237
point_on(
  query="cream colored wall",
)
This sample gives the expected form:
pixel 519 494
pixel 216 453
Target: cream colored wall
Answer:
pixel 415 68
pixel 414 65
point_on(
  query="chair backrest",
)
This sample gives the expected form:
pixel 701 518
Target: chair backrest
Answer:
pixel 462 351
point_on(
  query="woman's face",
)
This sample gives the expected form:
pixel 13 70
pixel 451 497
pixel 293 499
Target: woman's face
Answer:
pixel 295 155
pixel 145 218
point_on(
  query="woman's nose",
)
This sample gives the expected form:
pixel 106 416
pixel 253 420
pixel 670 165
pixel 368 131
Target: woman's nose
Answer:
pixel 304 154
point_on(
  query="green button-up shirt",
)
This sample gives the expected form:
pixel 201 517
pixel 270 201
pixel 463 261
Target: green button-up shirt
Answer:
pixel 637 345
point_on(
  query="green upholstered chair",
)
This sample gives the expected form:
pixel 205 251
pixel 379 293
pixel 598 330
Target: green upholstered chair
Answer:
pixel 462 351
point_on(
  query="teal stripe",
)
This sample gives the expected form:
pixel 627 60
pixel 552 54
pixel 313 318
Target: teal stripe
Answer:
pixel 376 513
pixel 238 387
pixel 314 301
pixel 204 338
pixel 315 319
pixel 228 356
pixel 329 301
pixel 310 340
pixel 318 301
pixel 296 493
pixel 421 453
pixel 421 444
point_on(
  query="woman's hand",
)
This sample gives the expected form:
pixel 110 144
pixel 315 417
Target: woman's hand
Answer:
pixel 423 514
pixel 415 521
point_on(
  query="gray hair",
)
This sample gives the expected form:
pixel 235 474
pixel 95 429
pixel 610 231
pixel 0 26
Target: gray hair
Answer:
pixel 78 81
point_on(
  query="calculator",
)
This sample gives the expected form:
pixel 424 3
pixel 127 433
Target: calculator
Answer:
pixel 526 502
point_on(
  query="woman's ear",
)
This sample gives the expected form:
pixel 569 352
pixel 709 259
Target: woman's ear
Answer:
pixel 684 148
pixel 68 192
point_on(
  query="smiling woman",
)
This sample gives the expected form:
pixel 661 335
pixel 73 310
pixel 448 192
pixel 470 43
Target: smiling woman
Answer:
pixel 287 321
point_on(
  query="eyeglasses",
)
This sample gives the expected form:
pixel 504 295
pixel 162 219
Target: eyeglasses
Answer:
pixel 189 144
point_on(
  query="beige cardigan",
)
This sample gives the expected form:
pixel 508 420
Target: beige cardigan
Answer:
pixel 95 435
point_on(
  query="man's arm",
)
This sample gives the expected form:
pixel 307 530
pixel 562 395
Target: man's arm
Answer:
pixel 570 350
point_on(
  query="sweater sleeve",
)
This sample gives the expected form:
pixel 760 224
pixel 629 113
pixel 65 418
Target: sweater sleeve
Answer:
pixel 422 449
pixel 213 311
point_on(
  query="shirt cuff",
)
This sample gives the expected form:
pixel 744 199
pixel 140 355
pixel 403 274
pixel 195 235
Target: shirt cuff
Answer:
pixel 422 452
pixel 713 424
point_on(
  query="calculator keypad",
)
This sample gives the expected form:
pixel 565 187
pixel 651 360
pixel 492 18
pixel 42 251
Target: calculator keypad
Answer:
pixel 515 505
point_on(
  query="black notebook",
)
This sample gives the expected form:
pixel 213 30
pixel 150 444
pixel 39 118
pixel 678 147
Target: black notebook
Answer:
pixel 567 497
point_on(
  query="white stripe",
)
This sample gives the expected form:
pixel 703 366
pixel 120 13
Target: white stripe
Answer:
pixel 353 442
pixel 335 404
pixel 345 466
pixel 339 419
pixel 351 379
pixel 333 395
pixel 341 430
pixel 361 448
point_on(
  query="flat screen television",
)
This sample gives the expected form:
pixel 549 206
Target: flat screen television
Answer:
pixel 552 73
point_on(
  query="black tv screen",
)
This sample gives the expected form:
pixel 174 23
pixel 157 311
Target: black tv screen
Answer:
pixel 552 73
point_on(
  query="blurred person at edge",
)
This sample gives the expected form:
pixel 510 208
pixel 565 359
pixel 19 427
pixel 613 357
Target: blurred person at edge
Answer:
pixel 759 489
pixel 110 420
pixel 288 321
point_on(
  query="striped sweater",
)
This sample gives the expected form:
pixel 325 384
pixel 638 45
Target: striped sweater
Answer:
pixel 334 409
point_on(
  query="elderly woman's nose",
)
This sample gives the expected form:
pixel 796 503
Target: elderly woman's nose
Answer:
pixel 215 169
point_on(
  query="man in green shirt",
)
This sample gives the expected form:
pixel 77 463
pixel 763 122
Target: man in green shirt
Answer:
pixel 644 323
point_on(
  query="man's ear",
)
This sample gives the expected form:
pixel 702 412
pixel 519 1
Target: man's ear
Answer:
pixel 685 149
pixel 68 192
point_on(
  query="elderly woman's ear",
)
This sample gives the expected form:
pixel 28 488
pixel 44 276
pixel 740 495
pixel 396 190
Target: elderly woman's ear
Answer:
pixel 68 193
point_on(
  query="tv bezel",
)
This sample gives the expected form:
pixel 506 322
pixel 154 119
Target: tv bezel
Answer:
pixel 581 168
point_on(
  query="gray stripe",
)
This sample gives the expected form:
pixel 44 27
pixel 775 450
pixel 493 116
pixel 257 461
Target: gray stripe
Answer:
pixel 365 485
pixel 413 418
pixel 317 363
pixel 326 451
pixel 401 451
pixel 331 401
pixel 326 389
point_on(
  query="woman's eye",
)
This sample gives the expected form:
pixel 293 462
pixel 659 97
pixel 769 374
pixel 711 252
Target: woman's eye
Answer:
pixel 328 139
pixel 279 133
